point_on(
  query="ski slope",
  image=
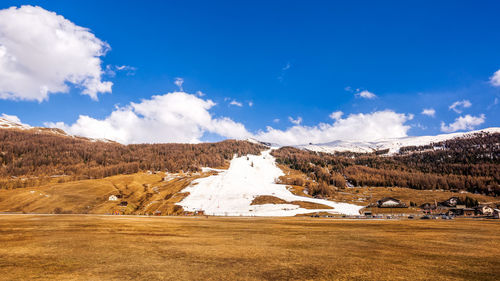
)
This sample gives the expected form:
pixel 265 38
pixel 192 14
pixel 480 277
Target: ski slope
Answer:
pixel 231 192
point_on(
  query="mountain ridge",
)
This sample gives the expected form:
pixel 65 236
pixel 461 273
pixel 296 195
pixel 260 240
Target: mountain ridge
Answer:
pixel 393 144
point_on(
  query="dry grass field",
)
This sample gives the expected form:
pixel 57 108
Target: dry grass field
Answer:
pixel 91 247
pixel 145 193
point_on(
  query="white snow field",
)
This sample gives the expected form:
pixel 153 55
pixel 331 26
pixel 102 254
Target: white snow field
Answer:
pixel 231 192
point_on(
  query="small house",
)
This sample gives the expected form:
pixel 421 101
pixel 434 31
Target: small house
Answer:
pixel 469 212
pixel 451 202
pixel 466 212
pixel 428 206
pixel 113 198
pixel 485 210
pixel 389 202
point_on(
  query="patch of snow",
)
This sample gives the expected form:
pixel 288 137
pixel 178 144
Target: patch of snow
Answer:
pixel 231 192
pixel 208 169
pixel 9 124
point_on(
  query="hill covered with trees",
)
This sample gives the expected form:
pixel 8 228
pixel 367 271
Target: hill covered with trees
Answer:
pixel 471 164
pixel 28 157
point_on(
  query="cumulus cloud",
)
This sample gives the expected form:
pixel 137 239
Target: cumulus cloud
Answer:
pixel 466 122
pixel 336 115
pixel 495 79
pixel 295 121
pixel 458 106
pixel 42 53
pixel 366 95
pixel 250 103
pixel 429 112
pixel 236 103
pixel 173 117
pixel 362 127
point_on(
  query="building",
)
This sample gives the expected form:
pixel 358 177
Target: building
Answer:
pixel 460 210
pixel 427 206
pixel 469 212
pixel 113 198
pixel 485 210
pixel 389 202
pixel 451 202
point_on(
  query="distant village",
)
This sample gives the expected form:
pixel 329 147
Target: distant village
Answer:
pixel 451 208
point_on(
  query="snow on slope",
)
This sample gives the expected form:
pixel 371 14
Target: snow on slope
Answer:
pixel 9 124
pixel 231 192
pixel 392 144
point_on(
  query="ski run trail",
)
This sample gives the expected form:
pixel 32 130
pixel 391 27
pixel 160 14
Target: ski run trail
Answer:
pixel 231 192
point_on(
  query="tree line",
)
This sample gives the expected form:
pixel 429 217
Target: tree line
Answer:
pixel 471 163
pixel 29 158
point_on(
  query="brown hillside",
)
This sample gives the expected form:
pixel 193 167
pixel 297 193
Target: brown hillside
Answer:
pixel 29 157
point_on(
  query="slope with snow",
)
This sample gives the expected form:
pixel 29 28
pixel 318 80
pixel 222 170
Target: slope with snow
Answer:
pixel 392 144
pixel 6 123
pixel 9 124
pixel 231 192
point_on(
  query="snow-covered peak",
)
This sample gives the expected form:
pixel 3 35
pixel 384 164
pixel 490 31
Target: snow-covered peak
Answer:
pixel 12 122
pixel 9 123
pixel 393 144
pixel 268 144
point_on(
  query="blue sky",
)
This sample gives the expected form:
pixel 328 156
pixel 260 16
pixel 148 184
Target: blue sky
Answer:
pixel 289 59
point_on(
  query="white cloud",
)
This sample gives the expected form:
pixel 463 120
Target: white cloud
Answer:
pixel 429 112
pixel 200 93
pixel 179 81
pixel 173 117
pixel 42 52
pixel 236 103
pixel 362 127
pixel 112 69
pixel 276 120
pixel 336 115
pixel 295 121
pixel 466 122
pixel 366 95
pixel 284 69
pixel 458 106
pixel 495 79
pixel 250 103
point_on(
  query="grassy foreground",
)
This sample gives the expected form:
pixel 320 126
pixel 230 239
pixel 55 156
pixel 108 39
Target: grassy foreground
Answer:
pixel 92 247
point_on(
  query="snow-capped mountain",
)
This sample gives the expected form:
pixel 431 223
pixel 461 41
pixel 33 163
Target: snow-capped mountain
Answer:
pixel 393 144
pixel 9 124
pixel 6 123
